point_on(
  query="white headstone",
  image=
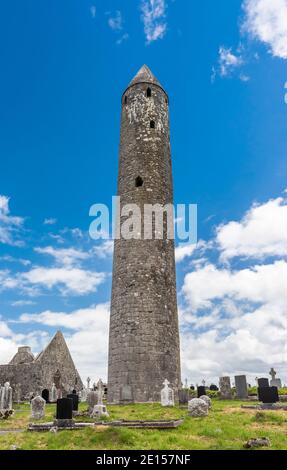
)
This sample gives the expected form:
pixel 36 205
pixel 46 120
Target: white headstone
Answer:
pixel 38 408
pixel 54 394
pixel 100 409
pixel 167 395
pixel 83 395
pixel 6 400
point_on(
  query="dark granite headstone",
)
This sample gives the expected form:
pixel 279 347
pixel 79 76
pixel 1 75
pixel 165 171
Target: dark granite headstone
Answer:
pixel 183 396
pixel 268 394
pixel 75 399
pixel 201 391
pixel 214 388
pixel 263 383
pixel 64 408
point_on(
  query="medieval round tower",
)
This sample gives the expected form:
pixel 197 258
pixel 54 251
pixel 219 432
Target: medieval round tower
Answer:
pixel 144 336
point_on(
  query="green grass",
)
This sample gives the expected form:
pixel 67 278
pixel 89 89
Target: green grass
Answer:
pixel 227 427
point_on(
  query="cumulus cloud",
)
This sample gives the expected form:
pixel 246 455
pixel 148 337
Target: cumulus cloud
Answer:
pixel 262 232
pixel 88 340
pixel 258 284
pixel 64 256
pixel 154 19
pixel 233 320
pixel 184 251
pixel 266 21
pixel 9 225
pixel 68 280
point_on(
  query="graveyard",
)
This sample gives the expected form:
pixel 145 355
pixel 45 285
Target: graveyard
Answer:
pixel 227 426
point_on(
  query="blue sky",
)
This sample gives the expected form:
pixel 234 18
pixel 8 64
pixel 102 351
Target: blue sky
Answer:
pixel 64 67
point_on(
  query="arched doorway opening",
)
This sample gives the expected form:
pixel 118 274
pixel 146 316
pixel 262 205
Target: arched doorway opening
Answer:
pixel 45 395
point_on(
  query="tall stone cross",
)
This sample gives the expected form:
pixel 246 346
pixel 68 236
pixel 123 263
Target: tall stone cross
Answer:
pixel 273 373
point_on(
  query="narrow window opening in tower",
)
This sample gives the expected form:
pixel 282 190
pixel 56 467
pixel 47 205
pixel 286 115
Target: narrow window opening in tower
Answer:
pixel 148 93
pixel 139 182
pixel 152 124
pixel 126 100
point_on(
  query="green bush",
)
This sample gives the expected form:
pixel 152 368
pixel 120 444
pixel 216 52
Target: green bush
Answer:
pixel 212 393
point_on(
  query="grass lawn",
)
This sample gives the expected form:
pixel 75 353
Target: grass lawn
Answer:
pixel 227 427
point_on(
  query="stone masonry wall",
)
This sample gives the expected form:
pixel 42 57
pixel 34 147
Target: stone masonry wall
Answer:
pixel 144 337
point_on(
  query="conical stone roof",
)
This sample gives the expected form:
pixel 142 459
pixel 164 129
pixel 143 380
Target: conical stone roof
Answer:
pixel 145 75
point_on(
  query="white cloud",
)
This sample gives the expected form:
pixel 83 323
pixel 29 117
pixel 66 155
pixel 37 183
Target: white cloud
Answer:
pixel 50 221
pixel 234 321
pixel 9 225
pixel 104 250
pixel 262 232
pixel 88 343
pixel 266 21
pixel 258 284
pixel 22 303
pixel 11 259
pixel 10 341
pixel 4 329
pixel 64 256
pixel 68 280
pixel 116 22
pixel 122 39
pixel 184 251
pixel 228 61
pixel 153 16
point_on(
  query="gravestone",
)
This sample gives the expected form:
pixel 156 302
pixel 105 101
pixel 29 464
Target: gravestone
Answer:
pixel 214 388
pixel 183 396
pixel 54 394
pixel 201 391
pixel 92 400
pixel 64 408
pixel 268 395
pixel 18 393
pixel 84 394
pixel 38 408
pixel 207 400
pixel 6 399
pixel 225 388
pixel 241 386
pixel 88 383
pixel 126 394
pixel 274 382
pixel 100 409
pixel 262 382
pixel 75 399
pixel 167 395
pixel 197 408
